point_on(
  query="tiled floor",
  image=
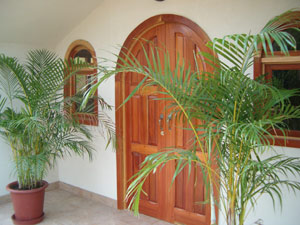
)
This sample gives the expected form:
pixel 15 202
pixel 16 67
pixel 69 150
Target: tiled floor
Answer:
pixel 64 208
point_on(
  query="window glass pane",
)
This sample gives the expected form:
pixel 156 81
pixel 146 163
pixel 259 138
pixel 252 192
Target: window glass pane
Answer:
pixel 288 79
pixel 80 82
pixel 295 34
pixel 84 55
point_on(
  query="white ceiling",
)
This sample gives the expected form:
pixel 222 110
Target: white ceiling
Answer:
pixel 41 22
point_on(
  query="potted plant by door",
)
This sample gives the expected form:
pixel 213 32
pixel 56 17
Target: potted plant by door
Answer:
pixel 33 121
pixel 237 114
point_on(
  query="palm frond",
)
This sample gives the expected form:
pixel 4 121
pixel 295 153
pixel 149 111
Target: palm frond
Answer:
pixel 39 131
pixel 238 50
pixel 13 78
pixel 237 115
pixel 2 103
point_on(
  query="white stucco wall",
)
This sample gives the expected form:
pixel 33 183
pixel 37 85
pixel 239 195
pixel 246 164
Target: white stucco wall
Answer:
pixel 6 165
pixel 109 25
pixel 291 202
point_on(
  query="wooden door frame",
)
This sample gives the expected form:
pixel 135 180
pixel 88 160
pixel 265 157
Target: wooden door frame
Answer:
pixel 131 40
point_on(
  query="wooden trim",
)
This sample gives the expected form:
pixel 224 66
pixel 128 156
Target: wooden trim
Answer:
pixel 192 218
pixel 290 139
pixel 69 89
pixel 83 45
pixel 265 64
pixel 257 67
pixel 121 156
pixel 120 91
pixel 281 60
pixel 292 142
pixel 279 133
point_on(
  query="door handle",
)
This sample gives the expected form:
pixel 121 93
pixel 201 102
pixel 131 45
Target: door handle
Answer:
pixel 161 117
pixel 169 119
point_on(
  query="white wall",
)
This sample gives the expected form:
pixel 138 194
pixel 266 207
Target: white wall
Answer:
pixel 6 165
pixel 16 50
pixel 291 202
pixel 109 25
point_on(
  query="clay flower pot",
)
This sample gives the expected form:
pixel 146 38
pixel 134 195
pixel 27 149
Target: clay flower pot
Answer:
pixel 28 204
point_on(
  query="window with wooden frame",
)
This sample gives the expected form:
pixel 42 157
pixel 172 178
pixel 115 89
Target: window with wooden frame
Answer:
pixel 76 86
pixel 283 71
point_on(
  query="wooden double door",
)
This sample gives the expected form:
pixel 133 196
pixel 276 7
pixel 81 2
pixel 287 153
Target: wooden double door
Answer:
pixel 148 127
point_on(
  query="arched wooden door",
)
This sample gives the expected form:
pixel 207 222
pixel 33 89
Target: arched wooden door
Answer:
pixel 145 127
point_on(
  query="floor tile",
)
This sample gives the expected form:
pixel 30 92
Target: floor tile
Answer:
pixel 64 208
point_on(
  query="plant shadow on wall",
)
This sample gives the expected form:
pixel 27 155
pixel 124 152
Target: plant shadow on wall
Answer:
pixel 237 114
pixel 33 120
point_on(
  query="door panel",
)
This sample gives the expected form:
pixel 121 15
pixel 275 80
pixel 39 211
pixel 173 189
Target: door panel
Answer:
pixel 189 188
pixel 179 202
pixel 142 115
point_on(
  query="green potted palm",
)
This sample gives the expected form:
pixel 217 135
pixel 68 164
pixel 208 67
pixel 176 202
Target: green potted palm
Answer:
pixel 239 113
pixel 33 120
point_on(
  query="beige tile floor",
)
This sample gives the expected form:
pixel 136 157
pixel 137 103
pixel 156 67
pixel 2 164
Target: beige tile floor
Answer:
pixel 64 208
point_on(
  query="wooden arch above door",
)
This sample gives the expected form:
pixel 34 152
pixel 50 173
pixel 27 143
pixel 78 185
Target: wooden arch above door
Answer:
pixel 172 23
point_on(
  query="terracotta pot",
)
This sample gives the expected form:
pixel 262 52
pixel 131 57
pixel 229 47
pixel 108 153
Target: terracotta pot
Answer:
pixel 28 204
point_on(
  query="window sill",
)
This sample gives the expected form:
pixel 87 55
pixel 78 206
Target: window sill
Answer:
pixel 293 142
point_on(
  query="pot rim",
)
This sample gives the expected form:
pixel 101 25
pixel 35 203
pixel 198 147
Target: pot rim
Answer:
pixel 8 187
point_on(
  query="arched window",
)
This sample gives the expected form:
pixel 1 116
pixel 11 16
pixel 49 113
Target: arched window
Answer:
pixel 283 71
pixel 77 84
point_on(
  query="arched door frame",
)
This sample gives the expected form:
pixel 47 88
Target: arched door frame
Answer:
pixel 131 40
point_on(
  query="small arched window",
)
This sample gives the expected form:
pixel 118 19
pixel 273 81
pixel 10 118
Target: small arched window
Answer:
pixel 83 51
pixel 283 71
